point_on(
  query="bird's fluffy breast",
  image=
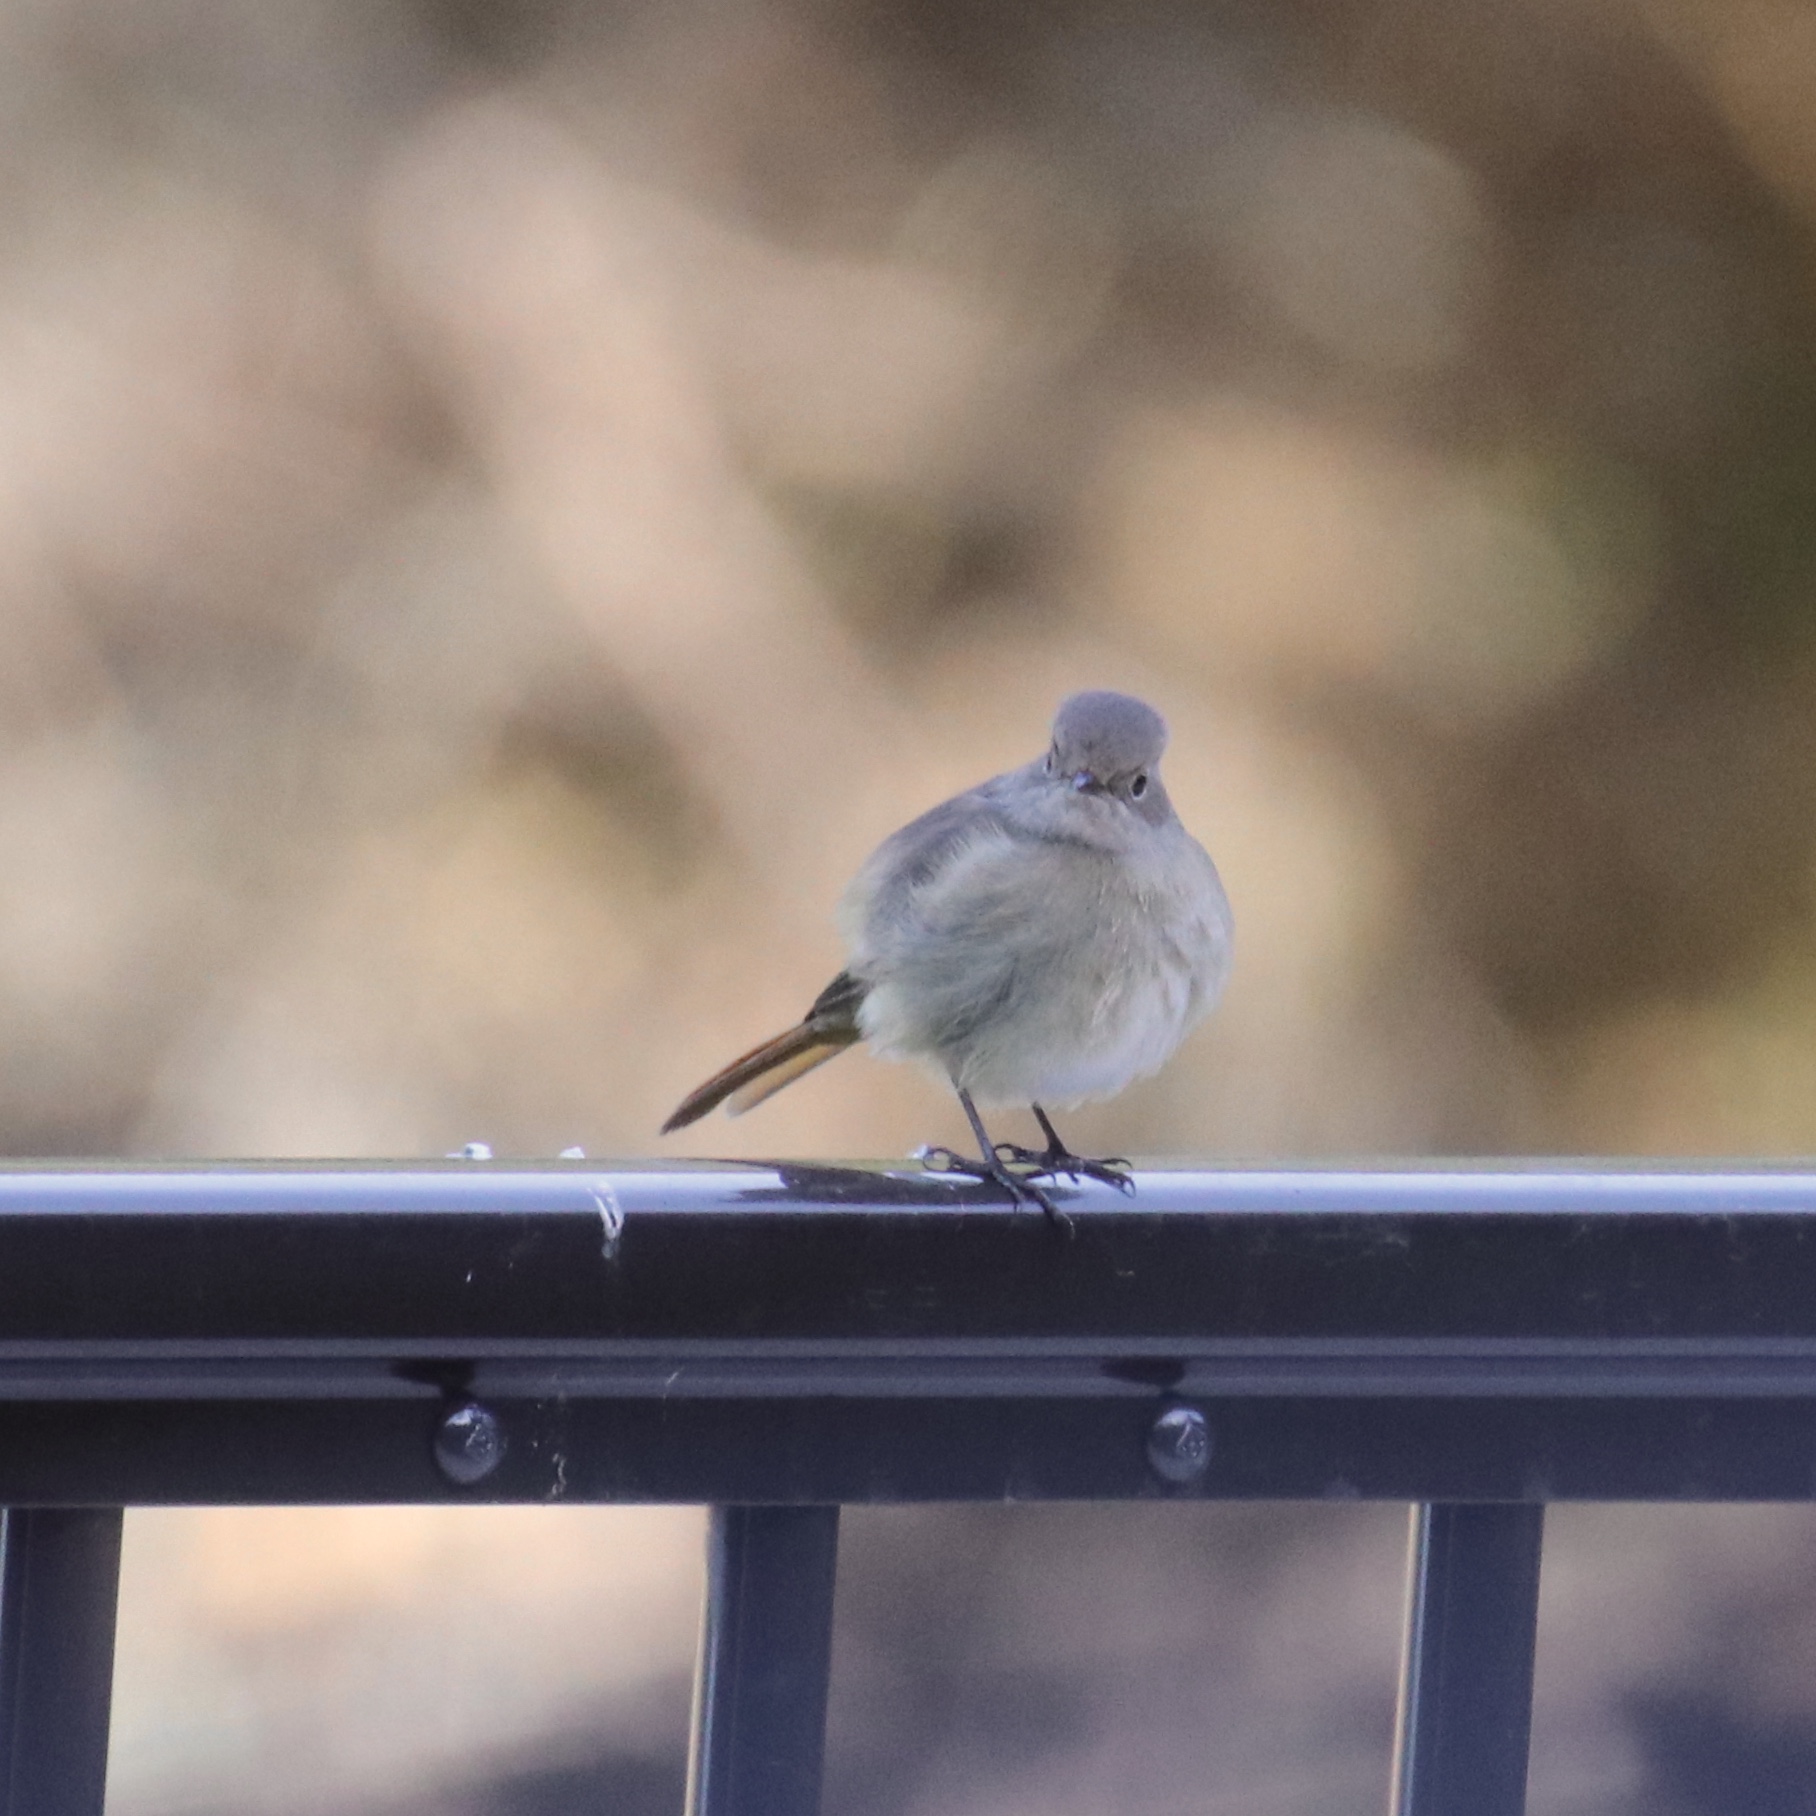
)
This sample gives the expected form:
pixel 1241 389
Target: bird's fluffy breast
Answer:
pixel 1039 970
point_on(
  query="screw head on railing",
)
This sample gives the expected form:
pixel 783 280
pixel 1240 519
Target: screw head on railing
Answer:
pixel 1179 1444
pixel 469 1443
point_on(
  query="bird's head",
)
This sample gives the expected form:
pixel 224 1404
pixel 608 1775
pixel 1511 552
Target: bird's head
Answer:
pixel 1108 747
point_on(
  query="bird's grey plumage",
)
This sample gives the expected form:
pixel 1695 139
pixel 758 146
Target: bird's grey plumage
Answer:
pixel 1046 937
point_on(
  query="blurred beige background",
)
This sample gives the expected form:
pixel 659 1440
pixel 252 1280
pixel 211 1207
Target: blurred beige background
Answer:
pixel 502 505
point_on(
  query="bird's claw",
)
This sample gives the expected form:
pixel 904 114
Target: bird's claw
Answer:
pixel 994 1171
pixel 1050 1163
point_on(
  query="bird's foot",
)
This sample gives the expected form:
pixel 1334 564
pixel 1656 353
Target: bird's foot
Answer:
pixel 1056 1159
pixel 1019 1189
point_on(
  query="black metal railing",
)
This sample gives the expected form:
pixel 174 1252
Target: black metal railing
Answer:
pixel 779 1340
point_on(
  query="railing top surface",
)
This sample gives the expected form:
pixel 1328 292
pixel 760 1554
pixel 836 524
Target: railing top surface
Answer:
pixel 489 1257
pixel 1530 1186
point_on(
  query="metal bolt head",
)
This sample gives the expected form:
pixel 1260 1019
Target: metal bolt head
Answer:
pixel 469 1443
pixel 1179 1444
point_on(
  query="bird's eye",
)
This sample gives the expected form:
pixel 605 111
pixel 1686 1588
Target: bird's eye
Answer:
pixel 1139 786
pixel 1049 763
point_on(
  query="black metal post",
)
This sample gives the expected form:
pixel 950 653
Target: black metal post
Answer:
pixel 59 1585
pixel 1466 1686
pixel 765 1662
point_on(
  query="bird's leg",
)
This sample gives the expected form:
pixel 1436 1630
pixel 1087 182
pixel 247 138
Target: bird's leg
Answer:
pixel 1059 1158
pixel 991 1167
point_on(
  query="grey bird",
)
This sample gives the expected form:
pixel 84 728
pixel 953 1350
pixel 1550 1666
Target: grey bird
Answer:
pixel 1044 938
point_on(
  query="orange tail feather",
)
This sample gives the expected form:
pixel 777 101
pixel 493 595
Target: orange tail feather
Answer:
pixel 762 1072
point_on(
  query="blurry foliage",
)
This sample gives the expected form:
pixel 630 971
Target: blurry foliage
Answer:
pixel 753 416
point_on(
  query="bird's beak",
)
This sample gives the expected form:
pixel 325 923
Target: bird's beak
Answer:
pixel 1084 781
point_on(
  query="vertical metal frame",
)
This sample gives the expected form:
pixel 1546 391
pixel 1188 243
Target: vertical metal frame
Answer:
pixel 765 1662
pixel 59 1589
pixel 1465 1718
